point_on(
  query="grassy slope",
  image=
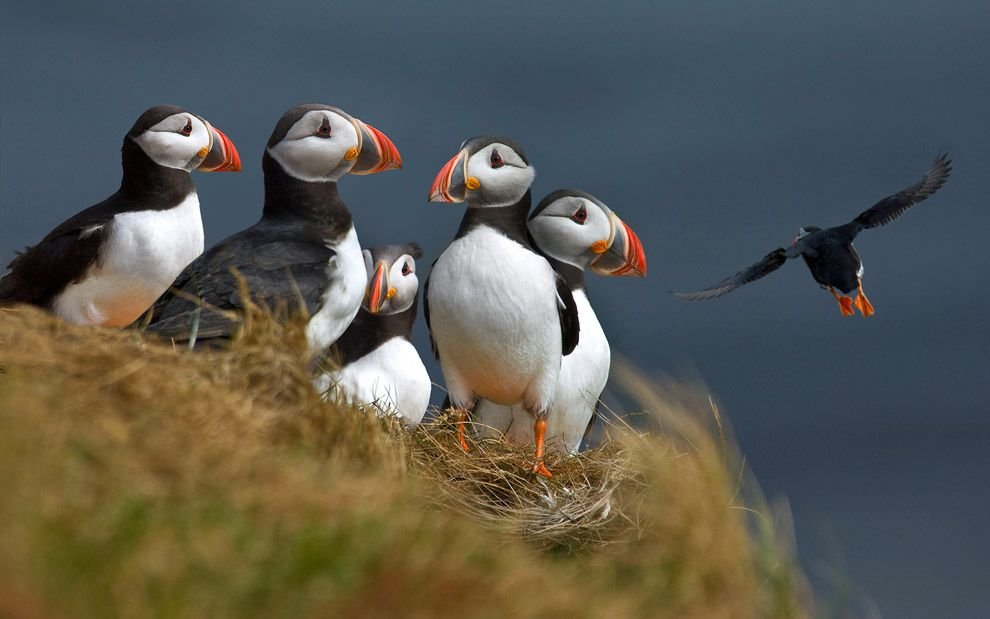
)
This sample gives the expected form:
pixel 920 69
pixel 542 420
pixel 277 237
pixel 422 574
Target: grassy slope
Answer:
pixel 138 480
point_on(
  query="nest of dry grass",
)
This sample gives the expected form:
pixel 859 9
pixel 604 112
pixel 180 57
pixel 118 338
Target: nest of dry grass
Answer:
pixel 145 479
pixel 493 484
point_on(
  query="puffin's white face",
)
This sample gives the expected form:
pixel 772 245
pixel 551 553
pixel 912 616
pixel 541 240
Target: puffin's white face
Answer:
pixel 392 285
pixel 578 229
pixel 497 176
pixel 179 141
pixel 320 146
pixel 494 175
pixel 569 227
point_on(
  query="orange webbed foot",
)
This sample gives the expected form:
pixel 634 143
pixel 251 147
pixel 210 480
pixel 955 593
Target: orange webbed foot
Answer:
pixel 863 304
pixel 846 306
pixel 845 303
pixel 541 469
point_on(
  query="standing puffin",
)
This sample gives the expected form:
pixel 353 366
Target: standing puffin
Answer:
pixel 577 232
pixel 500 317
pixel 107 264
pixel 829 253
pixel 303 250
pixel 378 364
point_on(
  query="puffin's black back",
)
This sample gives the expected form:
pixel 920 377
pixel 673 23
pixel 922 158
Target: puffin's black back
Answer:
pixel 834 264
pixel 282 258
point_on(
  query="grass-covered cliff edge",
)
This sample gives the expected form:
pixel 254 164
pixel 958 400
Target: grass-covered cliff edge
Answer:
pixel 141 480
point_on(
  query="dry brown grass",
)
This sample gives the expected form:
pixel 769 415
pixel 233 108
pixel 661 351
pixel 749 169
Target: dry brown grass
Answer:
pixel 143 480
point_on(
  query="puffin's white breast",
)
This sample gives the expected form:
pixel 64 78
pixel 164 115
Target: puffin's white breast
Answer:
pixel 392 378
pixel 494 317
pixel 140 258
pixel 583 375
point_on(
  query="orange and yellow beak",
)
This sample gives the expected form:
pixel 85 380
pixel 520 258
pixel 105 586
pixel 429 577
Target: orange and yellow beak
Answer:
pixel 621 255
pixel 378 289
pixel 222 156
pixel 376 153
pixel 451 183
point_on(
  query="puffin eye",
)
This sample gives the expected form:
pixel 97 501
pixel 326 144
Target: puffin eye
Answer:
pixel 405 268
pixel 580 215
pixel 497 159
pixel 187 130
pixel 325 130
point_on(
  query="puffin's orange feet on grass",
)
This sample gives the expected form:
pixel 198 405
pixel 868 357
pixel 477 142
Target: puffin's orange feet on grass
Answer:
pixel 541 469
pixel 540 430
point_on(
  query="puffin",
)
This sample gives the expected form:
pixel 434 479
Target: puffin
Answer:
pixel 829 253
pixel 577 232
pixel 500 318
pixel 303 255
pixel 374 362
pixel 107 264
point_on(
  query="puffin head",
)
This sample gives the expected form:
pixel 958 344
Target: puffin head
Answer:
pixel 577 228
pixel 321 143
pixel 392 282
pixel 487 171
pixel 804 231
pixel 174 138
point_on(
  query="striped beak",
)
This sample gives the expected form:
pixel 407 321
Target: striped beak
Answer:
pixel 377 153
pixel 450 185
pixel 222 156
pixel 378 290
pixel 624 255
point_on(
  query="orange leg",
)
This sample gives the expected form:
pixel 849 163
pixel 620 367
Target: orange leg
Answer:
pixel 845 303
pixel 862 303
pixel 540 429
pixel 461 423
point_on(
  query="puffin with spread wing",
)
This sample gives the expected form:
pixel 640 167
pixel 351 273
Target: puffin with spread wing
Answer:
pixel 829 253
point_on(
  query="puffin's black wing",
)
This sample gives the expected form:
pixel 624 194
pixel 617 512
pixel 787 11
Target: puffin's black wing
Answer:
pixel 278 271
pixel 891 207
pixel 65 254
pixel 770 263
pixel 41 272
pixel 426 312
pixel 570 327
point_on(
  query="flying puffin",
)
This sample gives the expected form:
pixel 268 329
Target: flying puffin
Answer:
pixel 500 317
pixel 829 253
pixel 302 252
pixel 576 231
pixel 107 264
pixel 378 364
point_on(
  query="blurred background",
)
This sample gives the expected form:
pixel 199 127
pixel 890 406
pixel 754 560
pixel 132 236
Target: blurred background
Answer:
pixel 715 130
